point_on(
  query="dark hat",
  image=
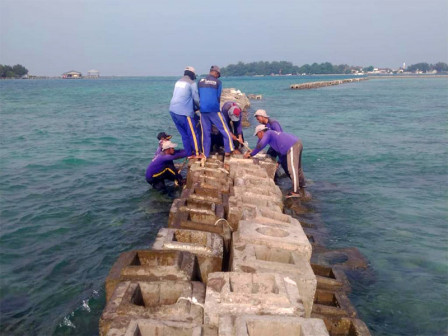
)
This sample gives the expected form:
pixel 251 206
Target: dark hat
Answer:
pixel 163 135
pixel 215 68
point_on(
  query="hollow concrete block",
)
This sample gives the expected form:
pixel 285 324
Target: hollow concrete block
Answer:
pixel 266 325
pixel 160 300
pixel 263 259
pixel 332 304
pixel 331 278
pixel 244 293
pixel 148 265
pixel 344 326
pixel 284 237
pixel 208 247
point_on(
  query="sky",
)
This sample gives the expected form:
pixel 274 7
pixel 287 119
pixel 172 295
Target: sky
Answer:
pixel 160 38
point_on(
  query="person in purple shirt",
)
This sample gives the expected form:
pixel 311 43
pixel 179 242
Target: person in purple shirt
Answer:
pixel 270 123
pixel 162 167
pixel 289 148
pixel 232 116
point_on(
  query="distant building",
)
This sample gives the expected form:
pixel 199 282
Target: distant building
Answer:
pixel 93 74
pixel 72 74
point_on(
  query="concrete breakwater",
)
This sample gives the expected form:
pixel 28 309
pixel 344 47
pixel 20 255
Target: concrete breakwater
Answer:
pixel 230 262
pixel 314 85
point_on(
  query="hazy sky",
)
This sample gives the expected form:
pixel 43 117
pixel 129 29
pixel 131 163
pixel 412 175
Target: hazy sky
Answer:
pixel 149 37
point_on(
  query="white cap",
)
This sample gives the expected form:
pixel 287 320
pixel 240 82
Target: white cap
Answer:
pixel 261 113
pixel 190 68
pixel 168 144
pixel 259 128
pixel 235 113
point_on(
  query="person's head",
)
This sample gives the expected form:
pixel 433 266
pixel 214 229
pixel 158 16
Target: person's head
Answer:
pixel 259 131
pixel 168 147
pixel 215 71
pixel 235 113
pixel 262 117
pixel 190 72
pixel 163 136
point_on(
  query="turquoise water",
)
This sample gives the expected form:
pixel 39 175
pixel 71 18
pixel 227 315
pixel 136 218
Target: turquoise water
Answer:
pixel 73 194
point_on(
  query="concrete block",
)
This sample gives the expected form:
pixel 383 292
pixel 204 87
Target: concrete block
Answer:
pixel 331 278
pixel 284 237
pixel 161 300
pixel 259 200
pixel 265 325
pixel 208 247
pixel 147 265
pixel 344 326
pixel 332 304
pixel 263 259
pixel 244 293
pixel 245 191
pixel 150 327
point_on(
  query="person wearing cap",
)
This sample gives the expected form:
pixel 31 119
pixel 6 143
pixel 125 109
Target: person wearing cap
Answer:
pixel 210 89
pixel 289 148
pixel 270 123
pixel 231 112
pixel 184 102
pixel 162 137
pixel 263 118
pixel 162 167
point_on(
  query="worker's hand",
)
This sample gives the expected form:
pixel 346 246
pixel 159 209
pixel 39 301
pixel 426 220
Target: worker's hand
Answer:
pixel 240 140
pixel 233 136
pixel 247 155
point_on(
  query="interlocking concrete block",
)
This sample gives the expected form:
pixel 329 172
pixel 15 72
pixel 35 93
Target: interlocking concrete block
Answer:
pixel 161 300
pixel 332 304
pixel 263 259
pixel 284 237
pixel 331 278
pixel 259 200
pixel 148 265
pixel 273 193
pixel 244 293
pixel 208 247
pixel 344 326
pixel 266 325
pixel 150 327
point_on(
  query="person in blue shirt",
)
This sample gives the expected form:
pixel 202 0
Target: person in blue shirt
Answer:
pixel 184 102
pixel 289 148
pixel 210 89
pixel 162 167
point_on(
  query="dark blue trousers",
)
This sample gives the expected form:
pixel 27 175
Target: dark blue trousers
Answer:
pixel 188 132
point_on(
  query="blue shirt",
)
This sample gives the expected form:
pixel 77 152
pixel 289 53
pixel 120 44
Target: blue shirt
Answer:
pixel 159 163
pixel 185 96
pixel 281 142
pixel 210 93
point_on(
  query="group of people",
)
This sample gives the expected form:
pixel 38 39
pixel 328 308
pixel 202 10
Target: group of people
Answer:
pixel 202 124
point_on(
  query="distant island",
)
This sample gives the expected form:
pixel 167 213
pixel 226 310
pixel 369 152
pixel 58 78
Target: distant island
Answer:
pixel 16 71
pixel 287 68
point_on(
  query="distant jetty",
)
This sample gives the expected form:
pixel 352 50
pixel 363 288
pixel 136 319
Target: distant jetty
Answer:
pixel 315 85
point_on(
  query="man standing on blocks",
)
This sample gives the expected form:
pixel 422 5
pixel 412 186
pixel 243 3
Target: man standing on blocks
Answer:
pixel 289 148
pixel 184 102
pixel 210 89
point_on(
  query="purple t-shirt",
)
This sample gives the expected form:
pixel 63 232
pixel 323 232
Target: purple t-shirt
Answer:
pixel 159 163
pixel 281 142
pixel 274 125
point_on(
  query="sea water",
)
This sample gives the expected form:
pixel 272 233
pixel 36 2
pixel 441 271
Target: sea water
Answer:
pixel 74 196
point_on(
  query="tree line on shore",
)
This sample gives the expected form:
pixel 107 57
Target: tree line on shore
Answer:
pixel 283 68
pixel 16 71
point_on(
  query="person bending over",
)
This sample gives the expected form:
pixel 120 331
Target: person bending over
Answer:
pixel 270 123
pixel 162 167
pixel 289 148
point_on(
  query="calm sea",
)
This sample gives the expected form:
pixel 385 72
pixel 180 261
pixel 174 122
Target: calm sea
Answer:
pixel 73 193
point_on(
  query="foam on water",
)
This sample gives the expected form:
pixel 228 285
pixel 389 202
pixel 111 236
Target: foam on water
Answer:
pixel 73 194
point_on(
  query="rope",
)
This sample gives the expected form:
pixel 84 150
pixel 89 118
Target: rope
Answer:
pixel 192 300
pixel 225 220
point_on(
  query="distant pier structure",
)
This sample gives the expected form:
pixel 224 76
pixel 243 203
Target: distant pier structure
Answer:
pixel 93 74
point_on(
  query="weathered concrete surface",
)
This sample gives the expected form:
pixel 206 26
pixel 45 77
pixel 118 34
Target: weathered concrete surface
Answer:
pixel 162 300
pixel 262 259
pixel 151 327
pixel 208 247
pixel 147 265
pixel 330 278
pixel 265 325
pixel 344 326
pixel 244 293
pixel 313 85
pixel 332 304
pixel 290 238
